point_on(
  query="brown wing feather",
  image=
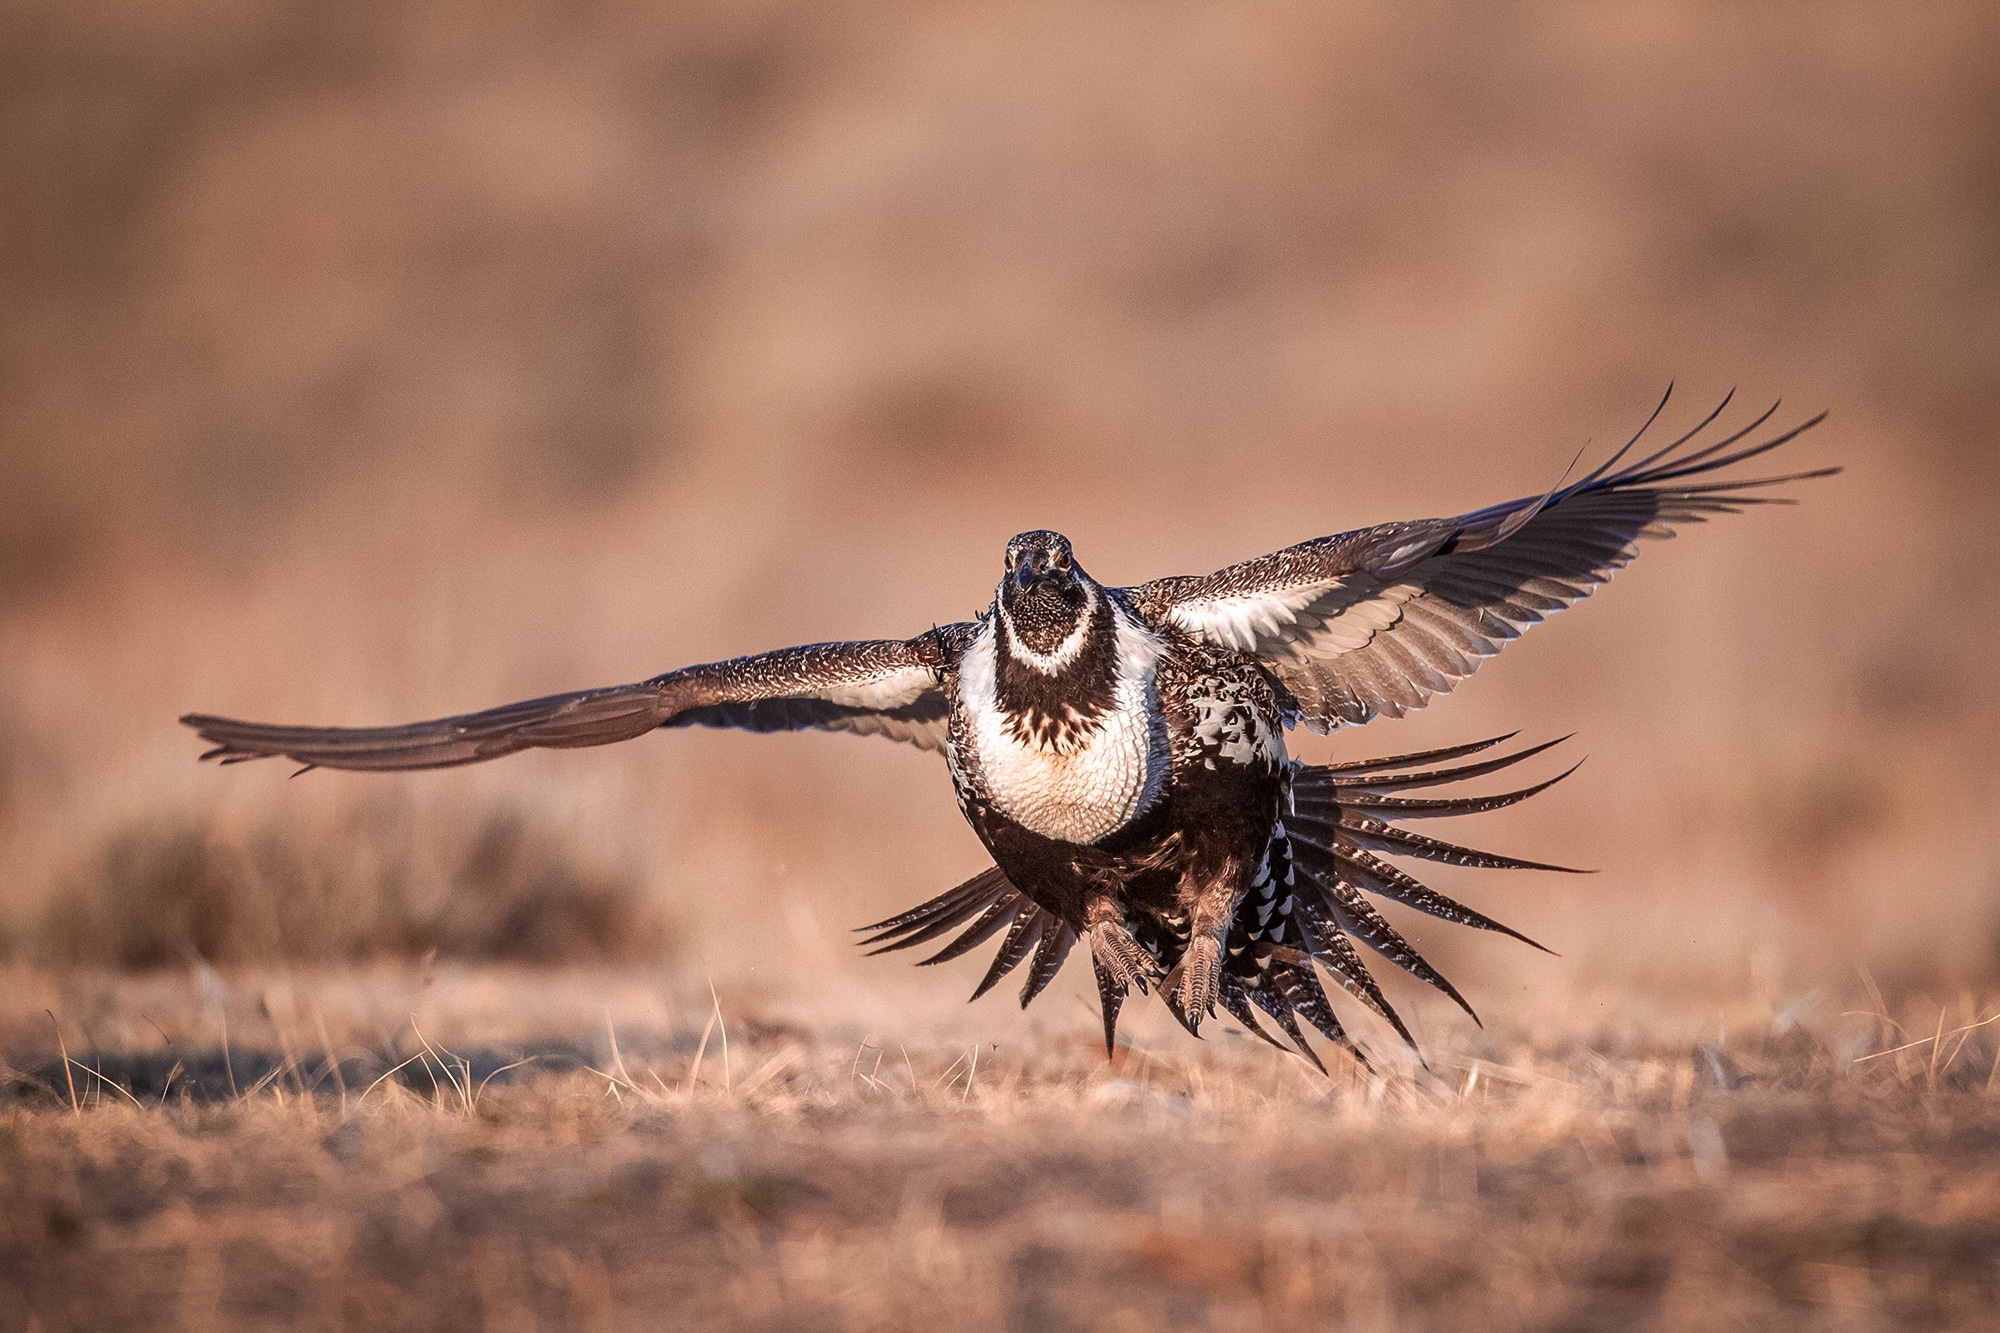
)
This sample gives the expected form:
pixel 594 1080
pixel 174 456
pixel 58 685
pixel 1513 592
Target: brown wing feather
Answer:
pixel 881 687
pixel 1380 620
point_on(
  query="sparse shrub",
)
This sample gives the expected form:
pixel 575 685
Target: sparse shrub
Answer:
pixel 518 894
pixel 377 884
pixel 157 896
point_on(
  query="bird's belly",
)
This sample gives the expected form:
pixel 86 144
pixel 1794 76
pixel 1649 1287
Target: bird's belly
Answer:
pixel 1080 793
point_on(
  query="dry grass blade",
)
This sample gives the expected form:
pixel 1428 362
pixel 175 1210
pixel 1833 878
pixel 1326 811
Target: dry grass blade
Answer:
pixel 1937 1049
pixel 462 1087
pixel 68 1078
pixel 521 1063
pixel 618 1076
pixel 1931 1041
pixel 727 1084
pixel 770 1069
pixel 700 1050
pixel 386 1075
pixel 175 1073
pixel 228 1062
pixel 617 1059
pixel 950 1073
pixel 275 1073
pixel 332 1059
pixel 115 1086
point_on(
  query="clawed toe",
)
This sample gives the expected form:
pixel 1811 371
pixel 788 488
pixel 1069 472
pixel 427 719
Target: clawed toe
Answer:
pixel 1112 944
pixel 1190 990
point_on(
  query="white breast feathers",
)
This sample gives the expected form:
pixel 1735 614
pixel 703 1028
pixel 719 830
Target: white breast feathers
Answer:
pixel 1088 790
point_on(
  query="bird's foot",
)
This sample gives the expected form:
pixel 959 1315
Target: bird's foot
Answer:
pixel 1191 988
pixel 1122 957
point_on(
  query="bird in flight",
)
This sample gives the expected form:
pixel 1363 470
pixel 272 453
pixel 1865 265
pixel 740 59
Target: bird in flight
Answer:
pixel 1121 751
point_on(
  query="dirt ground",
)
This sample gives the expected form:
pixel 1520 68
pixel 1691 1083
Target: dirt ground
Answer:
pixel 1767 1177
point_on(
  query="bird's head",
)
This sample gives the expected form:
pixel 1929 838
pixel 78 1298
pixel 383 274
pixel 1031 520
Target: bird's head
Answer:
pixel 1045 599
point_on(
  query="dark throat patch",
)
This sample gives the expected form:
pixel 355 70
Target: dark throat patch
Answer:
pixel 1058 711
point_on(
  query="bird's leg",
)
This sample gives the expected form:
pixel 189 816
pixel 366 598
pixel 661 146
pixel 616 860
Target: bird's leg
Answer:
pixel 1117 954
pixel 1190 990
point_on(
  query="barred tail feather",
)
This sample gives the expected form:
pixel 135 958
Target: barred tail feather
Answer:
pixel 1312 780
pixel 1402 807
pixel 1301 989
pixel 1056 941
pixel 1025 936
pixel 1289 1022
pixel 1383 837
pixel 1421 757
pixel 1337 954
pixel 1379 877
pixel 927 921
pixel 1236 999
pixel 1110 999
pixel 1357 917
pixel 989 924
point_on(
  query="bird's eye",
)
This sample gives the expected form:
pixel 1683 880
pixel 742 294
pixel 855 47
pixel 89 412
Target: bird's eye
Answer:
pixel 1060 560
pixel 1012 560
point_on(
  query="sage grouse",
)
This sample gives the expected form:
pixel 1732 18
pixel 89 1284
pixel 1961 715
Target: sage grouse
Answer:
pixel 1121 751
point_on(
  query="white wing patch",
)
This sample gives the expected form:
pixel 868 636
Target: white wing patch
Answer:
pixel 1320 619
pixel 1242 622
pixel 1084 792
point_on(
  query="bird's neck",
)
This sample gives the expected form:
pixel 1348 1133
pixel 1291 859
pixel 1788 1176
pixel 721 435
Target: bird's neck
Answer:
pixel 1057 699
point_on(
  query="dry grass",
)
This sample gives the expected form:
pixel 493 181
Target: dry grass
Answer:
pixel 1793 1173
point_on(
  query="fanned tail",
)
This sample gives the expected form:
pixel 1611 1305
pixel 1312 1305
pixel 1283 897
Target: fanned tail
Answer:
pixel 1340 830
pixel 1303 913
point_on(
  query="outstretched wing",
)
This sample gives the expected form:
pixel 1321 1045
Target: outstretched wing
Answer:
pixel 1381 619
pixel 880 687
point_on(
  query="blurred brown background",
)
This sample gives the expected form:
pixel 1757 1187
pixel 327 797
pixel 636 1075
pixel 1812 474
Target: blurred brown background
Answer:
pixel 360 364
